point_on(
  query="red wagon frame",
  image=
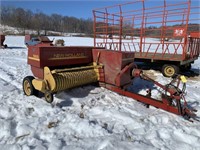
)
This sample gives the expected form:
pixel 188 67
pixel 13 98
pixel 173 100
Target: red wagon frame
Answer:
pixel 134 25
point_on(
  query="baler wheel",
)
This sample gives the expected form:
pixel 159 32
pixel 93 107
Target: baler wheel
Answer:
pixel 48 96
pixel 170 70
pixel 28 87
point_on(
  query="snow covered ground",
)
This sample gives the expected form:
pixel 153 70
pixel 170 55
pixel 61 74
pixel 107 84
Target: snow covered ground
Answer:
pixel 87 118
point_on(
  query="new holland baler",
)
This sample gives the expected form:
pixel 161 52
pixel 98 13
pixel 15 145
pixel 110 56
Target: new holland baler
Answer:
pixel 57 69
pixel 110 63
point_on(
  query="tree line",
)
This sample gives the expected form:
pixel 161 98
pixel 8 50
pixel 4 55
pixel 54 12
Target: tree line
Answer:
pixel 38 21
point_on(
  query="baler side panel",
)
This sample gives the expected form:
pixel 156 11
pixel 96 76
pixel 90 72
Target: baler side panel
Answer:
pixel 113 63
pixel 57 57
pixel 62 56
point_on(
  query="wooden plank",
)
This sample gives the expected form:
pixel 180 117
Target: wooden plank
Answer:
pixel 158 56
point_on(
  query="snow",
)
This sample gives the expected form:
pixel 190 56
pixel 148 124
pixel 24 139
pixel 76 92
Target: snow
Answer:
pixel 149 45
pixel 87 117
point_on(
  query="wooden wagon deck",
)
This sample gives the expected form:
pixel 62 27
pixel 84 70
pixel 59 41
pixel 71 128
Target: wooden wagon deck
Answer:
pixel 157 56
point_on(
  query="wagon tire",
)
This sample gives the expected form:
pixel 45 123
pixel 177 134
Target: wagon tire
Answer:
pixel 170 70
pixel 28 87
pixel 186 67
pixel 48 96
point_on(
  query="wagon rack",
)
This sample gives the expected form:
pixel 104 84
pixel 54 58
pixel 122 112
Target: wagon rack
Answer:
pixel 165 33
pixel 58 68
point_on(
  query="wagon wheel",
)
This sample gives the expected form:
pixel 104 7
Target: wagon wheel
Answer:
pixel 170 70
pixel 28 87
pixel 48 96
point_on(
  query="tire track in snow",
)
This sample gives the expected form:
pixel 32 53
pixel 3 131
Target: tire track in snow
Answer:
pixel 9 79
pixel 16 87
pixel 12 72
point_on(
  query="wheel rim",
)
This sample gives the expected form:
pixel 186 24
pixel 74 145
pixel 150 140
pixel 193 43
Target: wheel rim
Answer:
pixel 169 71
pixel 49 97
pixel 27 88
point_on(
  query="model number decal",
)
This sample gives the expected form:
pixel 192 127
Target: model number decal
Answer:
pixel 68 56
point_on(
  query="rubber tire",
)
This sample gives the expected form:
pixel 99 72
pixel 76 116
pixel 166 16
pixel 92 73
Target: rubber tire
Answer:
pixel 169 70
pixel 48 97
pixel 186 67
pixel 30 90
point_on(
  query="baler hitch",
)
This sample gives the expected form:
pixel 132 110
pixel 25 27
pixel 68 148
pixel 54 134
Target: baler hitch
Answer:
pixel 173 96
